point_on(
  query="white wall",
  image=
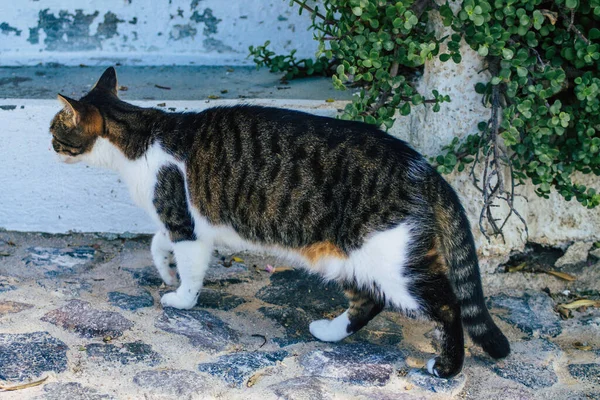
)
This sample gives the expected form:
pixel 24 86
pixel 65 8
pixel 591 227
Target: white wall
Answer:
pixel 147 32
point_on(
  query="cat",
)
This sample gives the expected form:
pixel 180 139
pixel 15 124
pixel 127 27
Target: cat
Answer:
pixel 339 198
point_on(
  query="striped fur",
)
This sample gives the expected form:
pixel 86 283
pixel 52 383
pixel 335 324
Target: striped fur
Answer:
pixel 458 248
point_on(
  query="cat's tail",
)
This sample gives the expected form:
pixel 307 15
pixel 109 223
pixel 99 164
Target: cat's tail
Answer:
pixel 458 248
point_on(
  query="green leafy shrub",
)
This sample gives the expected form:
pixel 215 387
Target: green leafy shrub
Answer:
pixel 543 57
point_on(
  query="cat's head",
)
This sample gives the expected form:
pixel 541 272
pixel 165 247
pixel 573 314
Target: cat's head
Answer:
pixel 76 128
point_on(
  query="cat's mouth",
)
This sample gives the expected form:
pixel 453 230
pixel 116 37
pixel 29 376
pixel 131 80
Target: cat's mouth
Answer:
pixel 67 152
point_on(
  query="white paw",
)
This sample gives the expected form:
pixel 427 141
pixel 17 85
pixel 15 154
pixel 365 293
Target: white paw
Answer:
pixel 319 329
pixel 430 365
pixel 331 331
pixel 172 299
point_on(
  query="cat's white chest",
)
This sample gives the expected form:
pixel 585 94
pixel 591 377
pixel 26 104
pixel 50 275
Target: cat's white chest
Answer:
pixel 141 177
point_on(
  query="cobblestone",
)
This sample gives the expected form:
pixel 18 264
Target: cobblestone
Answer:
pixel 82 311
pixel 28 355
pixel 79 316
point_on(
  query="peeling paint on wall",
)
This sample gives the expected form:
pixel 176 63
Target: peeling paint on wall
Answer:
pixel 210 21
pixel 194 4
pixel 108 28
pixel 188 31
pixel 5 28
pixel 67 32
pixel 182 31
pixel 71 32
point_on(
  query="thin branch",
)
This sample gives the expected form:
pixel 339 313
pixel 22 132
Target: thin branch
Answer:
pixel 539 58
pixel 571 19
pixel 494 186
pixel 313 11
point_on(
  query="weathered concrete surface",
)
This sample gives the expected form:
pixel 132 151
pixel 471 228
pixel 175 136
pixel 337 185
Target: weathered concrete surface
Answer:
pixel 175 83
pixel 144 32
pixel 239 350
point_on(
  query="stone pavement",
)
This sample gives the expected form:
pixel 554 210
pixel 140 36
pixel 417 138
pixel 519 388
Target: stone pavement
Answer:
pixel 83 312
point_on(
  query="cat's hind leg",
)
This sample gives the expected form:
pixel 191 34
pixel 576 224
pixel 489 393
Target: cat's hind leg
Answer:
pixel 363 308
pixel 162 255
pixel 442 306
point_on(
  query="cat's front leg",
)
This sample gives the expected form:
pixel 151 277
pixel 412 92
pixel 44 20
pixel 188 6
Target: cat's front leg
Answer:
pixel 192 258
pixel 162 255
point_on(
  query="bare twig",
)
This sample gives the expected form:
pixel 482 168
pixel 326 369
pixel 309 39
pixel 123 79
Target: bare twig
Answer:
pixel 494 186
pixel 571 20
pixel 22 386
pixel 263 337
pixel 542 63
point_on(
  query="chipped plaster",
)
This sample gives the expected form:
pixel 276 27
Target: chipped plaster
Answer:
pixel 144 32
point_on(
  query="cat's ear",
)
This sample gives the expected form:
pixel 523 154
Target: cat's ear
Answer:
pixel 108 81
pixel 73 107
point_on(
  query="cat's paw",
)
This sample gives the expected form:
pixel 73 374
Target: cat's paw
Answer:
pixel 330 330
pixel 172 299
pixel 431 366
pixel 437 367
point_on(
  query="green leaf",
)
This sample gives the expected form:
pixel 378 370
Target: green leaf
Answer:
pixel 360 39
pixel 357 11
pixel 478 20
pixel 444 57
pixel 405 109
pixel 507 54
pixel 417 99
pixel 571 3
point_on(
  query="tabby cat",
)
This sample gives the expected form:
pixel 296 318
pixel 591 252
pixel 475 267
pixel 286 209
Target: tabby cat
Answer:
pixel 338 198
